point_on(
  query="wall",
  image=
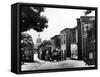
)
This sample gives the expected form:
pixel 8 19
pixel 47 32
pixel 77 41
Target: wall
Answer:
pixel 63 43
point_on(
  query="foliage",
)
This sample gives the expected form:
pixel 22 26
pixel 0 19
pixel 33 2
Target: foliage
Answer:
pixel 31 19
pixel 26 41
pixel 88 12
pixel 45 43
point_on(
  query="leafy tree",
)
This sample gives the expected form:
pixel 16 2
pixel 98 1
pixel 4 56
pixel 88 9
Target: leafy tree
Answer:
pixel 26 46
pixel 46 42
pixel 88 12
pixel 31 19
pixel 26 41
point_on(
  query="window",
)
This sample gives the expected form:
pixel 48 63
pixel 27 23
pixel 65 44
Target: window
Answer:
pixel 64 39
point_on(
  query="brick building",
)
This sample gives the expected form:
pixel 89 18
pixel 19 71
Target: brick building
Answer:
pixel 55 41
pixel 86 38
pixel 74 42
pixel 65 43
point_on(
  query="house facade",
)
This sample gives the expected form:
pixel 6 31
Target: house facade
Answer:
pixel 86 38
pixel 74 43
pixel 65 43
pixel 55 42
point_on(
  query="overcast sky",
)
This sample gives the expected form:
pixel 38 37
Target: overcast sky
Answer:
pixel 58 19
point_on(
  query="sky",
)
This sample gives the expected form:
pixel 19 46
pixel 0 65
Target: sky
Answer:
pixel 58 19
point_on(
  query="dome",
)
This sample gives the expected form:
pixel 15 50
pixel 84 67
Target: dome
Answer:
pixel 39 40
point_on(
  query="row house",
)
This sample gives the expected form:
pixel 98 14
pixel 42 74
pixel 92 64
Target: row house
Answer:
pixel 55 41
pixel 86 39
pixel 78 42
pixel 69 39
pixel 65 43
pixel 74 42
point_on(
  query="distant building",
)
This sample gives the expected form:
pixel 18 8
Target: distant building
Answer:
pixel 38 41
pixel 55 41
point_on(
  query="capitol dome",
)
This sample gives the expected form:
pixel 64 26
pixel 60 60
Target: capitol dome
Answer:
pixel 39 40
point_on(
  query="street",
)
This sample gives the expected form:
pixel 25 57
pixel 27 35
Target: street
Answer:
pixel 40 65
